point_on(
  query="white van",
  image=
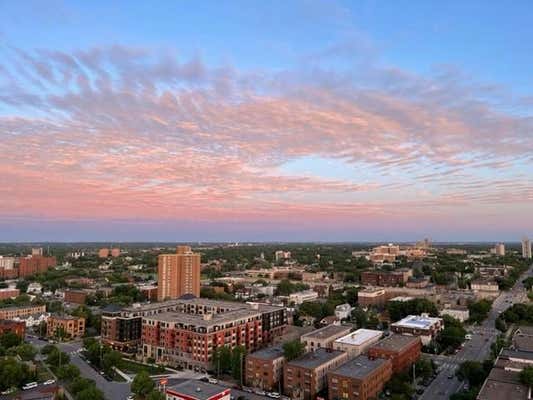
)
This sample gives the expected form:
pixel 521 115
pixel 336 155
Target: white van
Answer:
pixel 29 386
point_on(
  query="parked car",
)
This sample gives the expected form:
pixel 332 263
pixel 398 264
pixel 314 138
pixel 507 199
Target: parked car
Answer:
pixel 213 381
pixel 260 392
pixel 130 397
pixel 29 386
pixel 247 389
pixel 49 382
pixel 274 395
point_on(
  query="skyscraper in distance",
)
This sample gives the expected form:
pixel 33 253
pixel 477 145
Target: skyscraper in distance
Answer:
pixel 526 247
pixel 178 274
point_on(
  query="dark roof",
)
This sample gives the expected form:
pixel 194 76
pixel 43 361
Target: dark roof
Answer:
pixel 360 367
pixel 313 359
pixel 187 296
pixel 269 353
pixel 112 308
pixel 517 354
pixel 197 389
pixel 396 342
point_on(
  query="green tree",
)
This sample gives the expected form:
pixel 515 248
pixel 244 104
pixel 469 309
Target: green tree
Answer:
pixel 57 358
pixel 424 367
pixel 142 385
pixel 79 384
pixel 13 373
pixel 222 359
pixel 155 395
pixel 473 372
pixel 10 339
pixel 90 393
pixel 293 349
pixel 237 361
pixel 111 359
pixel 526 376
pixel 26 351
pixel 479 310
pixel 68 372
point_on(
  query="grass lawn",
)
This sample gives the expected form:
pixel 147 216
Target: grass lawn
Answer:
pixel 131 367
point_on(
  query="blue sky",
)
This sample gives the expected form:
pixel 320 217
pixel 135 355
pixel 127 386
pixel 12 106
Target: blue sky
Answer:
pixel 349 111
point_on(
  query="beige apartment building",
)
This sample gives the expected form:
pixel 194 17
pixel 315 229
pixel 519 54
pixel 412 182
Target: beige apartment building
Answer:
pixel 178 274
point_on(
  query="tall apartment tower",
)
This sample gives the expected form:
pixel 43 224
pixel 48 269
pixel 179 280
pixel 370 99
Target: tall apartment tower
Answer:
pixel 178 274
pixel 526 248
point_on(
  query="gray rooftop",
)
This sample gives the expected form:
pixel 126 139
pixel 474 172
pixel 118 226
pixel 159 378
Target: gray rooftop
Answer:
pixel 197 389
pixel 517 354
pixel 313 359
pixel 328 331
pixel 268 353
pixel 359 367
pixel 396 342
pixel 198 319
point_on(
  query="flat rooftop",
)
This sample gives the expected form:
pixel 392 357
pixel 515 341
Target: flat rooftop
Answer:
pixel 314 359
pixel 268 353
pixel 396 342
pixel 359 337
pixel 516 354
pixel 327 332
pixel 198 319
pixel 417 322
pixel 360 367
pixel 197 389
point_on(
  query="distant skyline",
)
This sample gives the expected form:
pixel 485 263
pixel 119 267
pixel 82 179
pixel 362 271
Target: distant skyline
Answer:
pixel 279 121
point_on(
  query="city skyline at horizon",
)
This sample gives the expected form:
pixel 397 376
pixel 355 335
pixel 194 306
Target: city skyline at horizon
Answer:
pixel 311 121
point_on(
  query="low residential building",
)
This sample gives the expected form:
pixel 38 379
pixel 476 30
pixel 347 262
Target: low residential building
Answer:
pixel 359 379
pixel 34 288
pixel 460 313
pixel 72 327
pixel 343 311
pixel 485 288
pixel 417 283
pixel 8 293
pixel 419 325
pixel 402 350
pixel 33 320
pixel 504 382
pixel 523 338
pixel 324 337
pixel 356 343
pixel 75 296
pixel 21 311
pixel 264 369
pixel 197 390
pixel 306 376
pixel 304 295
pixel 16 327
pixel 371 297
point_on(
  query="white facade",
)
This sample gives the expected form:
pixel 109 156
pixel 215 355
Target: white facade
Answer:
pixel 304 295
pixel 34 287
pixel 356 343
pixel 33 320
pixel 461 314
pixel 343 311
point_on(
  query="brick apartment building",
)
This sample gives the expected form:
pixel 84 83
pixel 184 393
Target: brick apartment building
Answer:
pixel 306 376
pixel 190 340
pixel 372 297
pixel 8 293
pixel 75 296
pixel 402 350
pixel 122 328
pixel 7 268
pixel 324 337
pixel 16 327
pixel 21 312
pixel 32 265
pixel 359 379
pixel 356 343
pixel 178 274
pixel 386 278
pixel 264 369
pixel 73 327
